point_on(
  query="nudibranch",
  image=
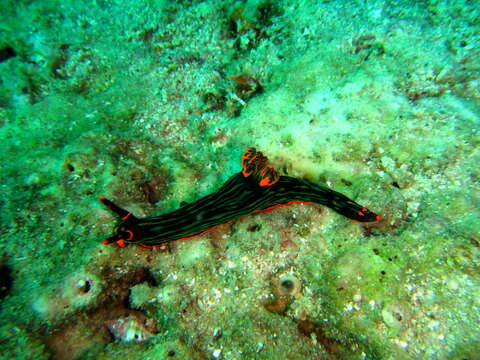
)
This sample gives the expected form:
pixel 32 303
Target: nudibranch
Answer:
pixel 256 188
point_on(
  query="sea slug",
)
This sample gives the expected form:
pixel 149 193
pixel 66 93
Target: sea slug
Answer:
pixel 256 188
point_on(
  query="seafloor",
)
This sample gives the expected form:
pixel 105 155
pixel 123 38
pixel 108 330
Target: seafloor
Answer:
pixel 151 103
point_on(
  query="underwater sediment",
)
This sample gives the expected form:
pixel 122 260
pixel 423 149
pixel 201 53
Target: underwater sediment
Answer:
pixel 151 104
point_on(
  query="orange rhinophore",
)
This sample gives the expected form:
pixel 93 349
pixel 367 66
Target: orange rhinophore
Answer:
pixel 254 162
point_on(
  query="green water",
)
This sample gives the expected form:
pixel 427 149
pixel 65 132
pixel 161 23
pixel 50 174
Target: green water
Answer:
pixel 151 103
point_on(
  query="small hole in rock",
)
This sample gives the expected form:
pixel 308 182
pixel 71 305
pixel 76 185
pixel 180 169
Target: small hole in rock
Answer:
pixel 69 167
pixel 287 284
pixel 84 286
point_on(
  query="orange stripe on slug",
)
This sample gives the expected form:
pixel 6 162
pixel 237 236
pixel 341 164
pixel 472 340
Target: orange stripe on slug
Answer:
pixel 189 237
pixel 126 216
pixel 285 204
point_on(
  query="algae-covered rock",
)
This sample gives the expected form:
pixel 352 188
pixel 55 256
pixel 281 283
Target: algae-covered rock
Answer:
pixel 151 103
pixel 79 291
